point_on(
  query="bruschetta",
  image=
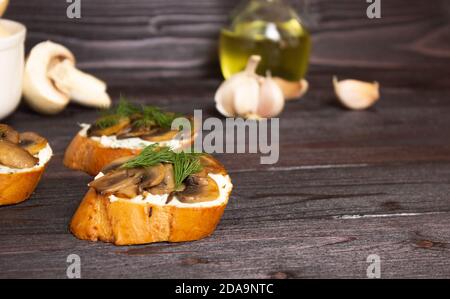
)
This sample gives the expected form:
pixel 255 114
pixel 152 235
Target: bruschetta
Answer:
pixel 123 131
pixel 157 196
pixel 23 159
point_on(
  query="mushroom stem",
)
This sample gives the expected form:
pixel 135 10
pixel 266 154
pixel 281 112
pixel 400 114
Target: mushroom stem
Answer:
pixel 82 88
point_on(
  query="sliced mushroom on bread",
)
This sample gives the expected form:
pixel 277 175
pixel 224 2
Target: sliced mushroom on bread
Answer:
pixel 23 158
pixel 160 195
pixel 124 131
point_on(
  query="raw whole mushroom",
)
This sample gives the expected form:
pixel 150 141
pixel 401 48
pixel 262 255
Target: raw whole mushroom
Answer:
pixel 51 81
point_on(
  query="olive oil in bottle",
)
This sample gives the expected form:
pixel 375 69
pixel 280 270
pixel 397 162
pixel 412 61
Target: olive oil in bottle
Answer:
pixel 272 30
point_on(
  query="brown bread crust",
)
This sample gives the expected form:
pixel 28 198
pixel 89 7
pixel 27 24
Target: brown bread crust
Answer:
pixel 17 187
pixel 90 156
pixel 127 223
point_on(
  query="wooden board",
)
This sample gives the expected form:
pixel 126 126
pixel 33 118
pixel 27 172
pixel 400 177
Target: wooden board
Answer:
pixel 135 41
pixel 348 184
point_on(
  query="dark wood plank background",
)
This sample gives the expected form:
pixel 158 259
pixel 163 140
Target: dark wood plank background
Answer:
pixel 138 40
pixel 348 184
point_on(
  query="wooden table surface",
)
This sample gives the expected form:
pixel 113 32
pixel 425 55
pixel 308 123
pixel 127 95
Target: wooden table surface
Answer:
pixel 348 184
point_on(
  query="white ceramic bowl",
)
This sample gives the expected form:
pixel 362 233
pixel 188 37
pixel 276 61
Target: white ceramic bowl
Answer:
pixel 11 66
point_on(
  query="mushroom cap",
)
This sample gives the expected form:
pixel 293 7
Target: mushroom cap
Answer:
pixel 198 189
pixel 39 91
pixel 32 142
pixel 9 134
pixel 12 155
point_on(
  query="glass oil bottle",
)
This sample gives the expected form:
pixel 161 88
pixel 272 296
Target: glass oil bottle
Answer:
pixel 271 29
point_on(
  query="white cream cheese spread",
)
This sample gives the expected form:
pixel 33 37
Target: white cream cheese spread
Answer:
pixel 222 181
pixel 129 143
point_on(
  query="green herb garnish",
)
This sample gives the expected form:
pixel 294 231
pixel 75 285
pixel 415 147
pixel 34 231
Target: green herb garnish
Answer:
pixel 146 116
pixel 107 121
pixel 184 164
pixel 150 156
pixel 111 117
pixel 144 123
pixel 152 114
pixel 126 109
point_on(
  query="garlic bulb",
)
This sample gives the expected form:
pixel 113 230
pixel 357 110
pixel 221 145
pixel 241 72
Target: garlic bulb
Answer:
pixel 226 93
pixel 356 95
pixel 248 95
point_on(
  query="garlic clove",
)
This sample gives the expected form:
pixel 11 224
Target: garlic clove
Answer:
pixel 271 98
pixel 224 97
pixel 292 90
pixel 355 94
pixel 246 97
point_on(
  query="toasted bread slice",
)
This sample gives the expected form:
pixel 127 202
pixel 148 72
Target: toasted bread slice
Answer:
pixel 145 217
pixel 17 186
pixel 90 156
pixel 129 223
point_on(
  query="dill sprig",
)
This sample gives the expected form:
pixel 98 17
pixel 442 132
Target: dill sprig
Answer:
pixel 147 116
pixel 144 122
pixel 126 109
pixel 152 114
pixel 112 116
pixel 107 121
pixel 184 164
pixel 150 156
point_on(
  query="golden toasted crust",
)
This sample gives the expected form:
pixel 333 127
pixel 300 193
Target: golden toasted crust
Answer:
pixel 127 223
pixel 91 156
pixel 17 187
